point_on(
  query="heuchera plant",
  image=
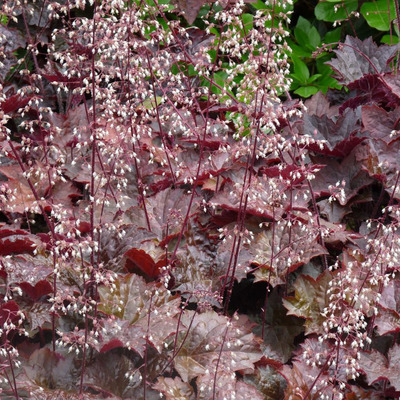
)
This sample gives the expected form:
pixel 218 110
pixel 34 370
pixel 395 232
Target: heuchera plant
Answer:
pixel 174 224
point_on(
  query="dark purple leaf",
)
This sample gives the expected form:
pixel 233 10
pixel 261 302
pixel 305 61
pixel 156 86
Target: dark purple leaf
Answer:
pixel 129 304
pixel 14 102
pixel 16 241
pixel 138 261
pixel 28 268
pixel 379 123
pixel 319 106
pixel 332 211
pixel 370 89
pixel 36 292
pixel 112 344
pixel 339 134
pixel 309 301
pixel 381 161
pixel 52 370
pixel 174 389
pixel 393 81
pixel 280 329
pixel 356 58
pixel 387 321
pixel 284 251
pixel 347 170
pixel 201 349
pixel 9 312
pixel 110 372
pixel 190 8
pixel 376 366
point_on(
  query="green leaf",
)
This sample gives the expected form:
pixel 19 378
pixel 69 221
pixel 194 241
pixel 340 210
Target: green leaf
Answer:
pixel 306 34
pixel 390 40
pixel 215 32
pixel 327 82
pixel 163 23
pixel 297 51
pixel 333 36
pixel 248 21
pixel 3 19
pixel 259 5
pixel 306 91
pixel 314 78
pixel 326 11
pixel 378 15
pixel 150 104
pixel 301 70
pixel 220 80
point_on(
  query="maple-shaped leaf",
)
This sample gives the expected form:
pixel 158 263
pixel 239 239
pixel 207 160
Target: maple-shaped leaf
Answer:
pixel 167 210
pixel 319 105
pixel 47 375
pixel 131 301
pixel 376 366
pixel 215 340
pixel 381 161
pixel 356 58
pixel 280 329
pixel 190 8
pixel 299 382
pixel 38 315
pixel 198 273
pixel 52 370
pixel 309 300
pixel 379 123
pixel 114 247
pixel 140 262
pixel 347 170
pixel 174 388
pixel 390 296
pixel 16 241
pixel 283 252
pixel 114 373
pixel 336 135
pixel 28 269
pixel 226 384
pixel 393 81
pixel 370 89
pixel 332 211
pixel 260 200
pixel 224 260
pixel 22 199
pixel 62 194
pixel 335 234
pixel 315 363
pixel 117 333
pixel 39 290
pixel 387 321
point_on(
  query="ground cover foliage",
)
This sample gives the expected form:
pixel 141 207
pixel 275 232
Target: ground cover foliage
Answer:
pixel 175 224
